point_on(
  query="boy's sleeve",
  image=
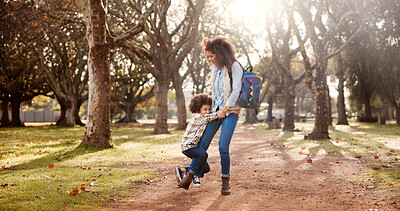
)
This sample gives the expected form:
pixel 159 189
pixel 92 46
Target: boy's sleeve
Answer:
pixel 210 117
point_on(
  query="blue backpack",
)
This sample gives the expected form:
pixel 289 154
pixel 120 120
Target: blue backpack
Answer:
pixel 249 96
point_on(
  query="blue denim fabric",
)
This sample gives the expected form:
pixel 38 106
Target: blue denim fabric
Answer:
pixel 219 91
pixel 227 129
pixel 199 165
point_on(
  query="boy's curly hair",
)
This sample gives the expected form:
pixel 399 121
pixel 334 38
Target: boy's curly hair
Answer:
pixel 199 100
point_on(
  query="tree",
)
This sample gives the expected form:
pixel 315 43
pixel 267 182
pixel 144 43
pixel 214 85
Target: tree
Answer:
pixel 320 35
pixel 100 41
pixel 131 84
pixel 282 55
pixel 63 54
pixel 20 80
pixel 163 49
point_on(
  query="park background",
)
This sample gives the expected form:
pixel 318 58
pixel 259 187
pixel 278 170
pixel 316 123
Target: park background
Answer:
pixel 137 64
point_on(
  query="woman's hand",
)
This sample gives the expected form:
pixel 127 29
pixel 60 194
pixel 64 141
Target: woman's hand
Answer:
pixel 222 112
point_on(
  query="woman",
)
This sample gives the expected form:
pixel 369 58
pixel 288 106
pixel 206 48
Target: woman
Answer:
pixel 220 54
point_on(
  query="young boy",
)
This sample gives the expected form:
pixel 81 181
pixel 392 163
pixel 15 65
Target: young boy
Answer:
pixel 200 106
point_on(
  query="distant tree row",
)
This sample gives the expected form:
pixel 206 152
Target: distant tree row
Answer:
pixel 118 54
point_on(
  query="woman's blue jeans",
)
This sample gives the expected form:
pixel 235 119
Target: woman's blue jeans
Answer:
pixel 228 127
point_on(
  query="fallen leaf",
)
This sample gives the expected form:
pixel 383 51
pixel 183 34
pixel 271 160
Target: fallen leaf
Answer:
pixel 303 148
pixel 338 162
pixel 337 141
pixel 16 155
pixel 392 150
pixel 380 147
pixel 96 192
pixel 390 184
pixel 309 161
pixel 3 167
pixel 51 166
pixel 74 191
pixel 376 157
pixel 301 153
pixel 83 188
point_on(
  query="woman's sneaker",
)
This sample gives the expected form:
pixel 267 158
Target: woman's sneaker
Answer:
pixel 196 182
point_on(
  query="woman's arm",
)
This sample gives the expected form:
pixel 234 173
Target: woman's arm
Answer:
pixel 237 73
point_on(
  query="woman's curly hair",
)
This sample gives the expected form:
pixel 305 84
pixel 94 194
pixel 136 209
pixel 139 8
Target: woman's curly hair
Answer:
pixel 223 49
pixel 198 101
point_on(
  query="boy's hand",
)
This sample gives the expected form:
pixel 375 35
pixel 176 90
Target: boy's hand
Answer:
pixel 221 114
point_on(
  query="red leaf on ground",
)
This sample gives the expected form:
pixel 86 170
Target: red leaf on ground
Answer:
pixel 303 148
pixel 338 162
pixel 309 161
pixel 380 147
pixel 83 188
pixel 16 155
pixel 51 166
pixel 390 184
pixel 52 175
pixel 392 150
pixel 337 141
pixel 3 167
pixel 100 175
pixel 74 191
pixel 301 153
pixel 376 157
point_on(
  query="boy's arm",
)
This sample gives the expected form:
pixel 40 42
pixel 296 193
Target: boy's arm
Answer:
pixel 210 117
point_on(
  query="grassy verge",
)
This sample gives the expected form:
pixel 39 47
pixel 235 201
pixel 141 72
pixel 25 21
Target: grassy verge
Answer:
pixel 368 140
pixel 41 167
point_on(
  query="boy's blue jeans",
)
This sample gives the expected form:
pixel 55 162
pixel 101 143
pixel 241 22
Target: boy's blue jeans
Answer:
pixel 227 129
pixel 199 165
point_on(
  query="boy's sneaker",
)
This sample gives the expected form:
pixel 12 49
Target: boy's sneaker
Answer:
pixel 179 174
pixel 196 182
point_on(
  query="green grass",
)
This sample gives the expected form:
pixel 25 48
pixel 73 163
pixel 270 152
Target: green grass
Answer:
pixel 28 182
pixel 357 139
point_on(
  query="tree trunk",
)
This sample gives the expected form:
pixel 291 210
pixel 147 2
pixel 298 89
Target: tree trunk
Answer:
pixel 180 102
pixel 342 118
pixel 270 107
pixel 161 125
pixel 129 114
pixel 251 116
pixel 77 117
pixel 98 127
pixel 330 119
pixel 367 110
pixel 5 118
pixel 320 130
pixel 290 97
pixel 71 107
pixel 397 115
pixel 15 108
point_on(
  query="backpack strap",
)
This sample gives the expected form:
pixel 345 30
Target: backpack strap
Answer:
pixel 230 71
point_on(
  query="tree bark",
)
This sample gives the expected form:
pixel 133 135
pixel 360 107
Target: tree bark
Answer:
pixel 397 115
pixel 71 107
pixel 290 97
pixel 15 108
pixel 5 118
pixel 320 130
pixel 161 125
pixel 180 102
pixel 342 118
pixel 251 116
pixel 98 132
pixel 330 119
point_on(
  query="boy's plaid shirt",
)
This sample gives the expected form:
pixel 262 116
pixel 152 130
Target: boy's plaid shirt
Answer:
pixel 195 129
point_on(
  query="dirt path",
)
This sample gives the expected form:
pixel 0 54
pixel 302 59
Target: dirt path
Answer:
pixel 264 176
